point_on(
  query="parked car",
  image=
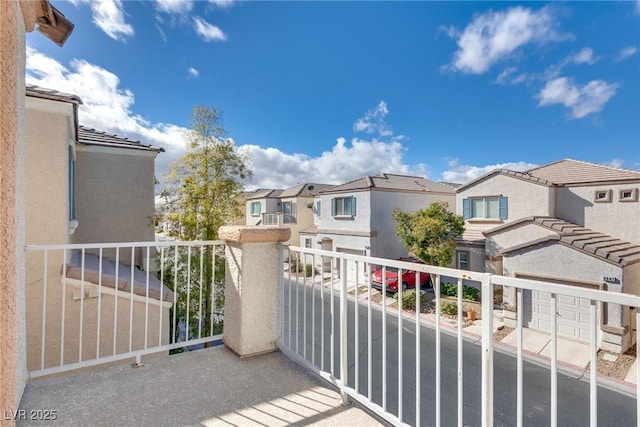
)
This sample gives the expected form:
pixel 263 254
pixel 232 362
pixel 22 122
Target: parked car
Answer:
pixel 408 280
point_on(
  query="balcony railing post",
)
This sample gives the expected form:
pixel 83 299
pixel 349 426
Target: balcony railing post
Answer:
pixel 487 350
pixel 252 282
pixel 343 330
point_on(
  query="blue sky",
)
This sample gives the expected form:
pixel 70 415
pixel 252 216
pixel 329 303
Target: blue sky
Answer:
pixel 331 91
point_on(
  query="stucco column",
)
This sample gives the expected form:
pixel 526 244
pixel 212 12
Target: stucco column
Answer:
pixel 252 287
pixel 15 19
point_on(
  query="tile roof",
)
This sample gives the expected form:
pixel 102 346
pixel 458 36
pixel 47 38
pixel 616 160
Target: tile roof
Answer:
pixel 305 189
pixel 507 172
pixel 472 237
pixel 564 172
pixel 88 136
pixel 41 92
pixel 263 193
pixel 569 171
pixel 389 181
pixel 599 245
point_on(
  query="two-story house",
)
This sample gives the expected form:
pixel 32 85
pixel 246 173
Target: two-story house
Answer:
pixel 568 222
pixel 356 217
pixel 292 208
pixel 85 186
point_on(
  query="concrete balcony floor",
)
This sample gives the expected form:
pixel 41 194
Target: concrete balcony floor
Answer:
pixel 209 387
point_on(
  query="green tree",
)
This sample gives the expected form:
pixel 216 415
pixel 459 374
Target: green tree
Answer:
pixel 206 183
pixel 205 189
pixel 430 234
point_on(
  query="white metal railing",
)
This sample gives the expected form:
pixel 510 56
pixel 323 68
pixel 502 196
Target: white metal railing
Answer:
pixel 376 354
pixel 270 219
pixel 278 218
pixel 89 304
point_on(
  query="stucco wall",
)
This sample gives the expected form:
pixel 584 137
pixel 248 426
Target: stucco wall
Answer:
pixel 525 198
pixel 615 218
pixel 360 223
pixel 114 197
pixel 48 134
pixel 12 329
pixel 516 235
pixel 631 279
pixel 557 260
pixel 476 257
pixel 72 310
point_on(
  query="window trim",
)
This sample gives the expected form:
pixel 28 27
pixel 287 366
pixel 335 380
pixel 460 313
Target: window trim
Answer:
pixel 503 208
pixel 259 204
pixel 468 254
pixel 632 198
pixel 334 208
pixel 605 199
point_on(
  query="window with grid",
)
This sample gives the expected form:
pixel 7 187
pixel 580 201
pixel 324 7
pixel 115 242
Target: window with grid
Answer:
pixel 493 207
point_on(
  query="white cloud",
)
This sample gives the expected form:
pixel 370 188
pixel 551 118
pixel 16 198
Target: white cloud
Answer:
pixel 585 56
pixel 373 121
pixel 110 107
pixel 627 52
pixel 222 4
pixel 581 100
pixel 344 162
pixel 193 72
pixel 465 173
pixel 616 163
pixel 508 76
pixel 207 31
pixel 494 36
pixel 108 15
pixel 638 6
pixel 174 6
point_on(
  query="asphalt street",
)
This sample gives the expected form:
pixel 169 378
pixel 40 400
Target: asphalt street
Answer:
pixel 307 310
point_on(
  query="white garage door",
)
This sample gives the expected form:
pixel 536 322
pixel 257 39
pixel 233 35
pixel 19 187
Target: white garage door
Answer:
pixel 573 314
pixel 351 265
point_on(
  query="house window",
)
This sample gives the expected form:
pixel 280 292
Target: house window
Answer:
pixel 628 195
pixel 462 260
pixel 602 196
pixel 307 243
pixel 256 208
pixel 318 208
pixel 494 207
pixel 343 206
pixel 288 209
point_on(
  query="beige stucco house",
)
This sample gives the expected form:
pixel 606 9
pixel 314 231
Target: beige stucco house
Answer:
pixel 568 222
pixel 86 186
pixel 292 208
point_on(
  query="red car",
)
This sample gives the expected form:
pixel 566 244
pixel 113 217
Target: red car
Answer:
pixel 408 279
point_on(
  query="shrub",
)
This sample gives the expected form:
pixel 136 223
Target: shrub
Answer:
pixel 449 308
pixel 468 292
pixel 409 299
pixel 306 268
